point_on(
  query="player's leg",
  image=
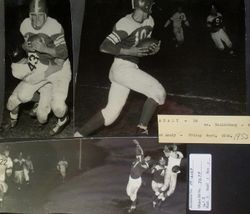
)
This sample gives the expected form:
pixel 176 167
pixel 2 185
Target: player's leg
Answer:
pixel 134 187
pixel 225 38
pixel 135 79
pixel 23 93
pixel 172 185
pixel 60 82
pixel 44 104
pixel 216 37
pixel 117 97
pixel 179 35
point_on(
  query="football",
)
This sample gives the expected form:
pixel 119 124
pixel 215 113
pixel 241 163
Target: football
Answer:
pixel 42 38
pixel 146 43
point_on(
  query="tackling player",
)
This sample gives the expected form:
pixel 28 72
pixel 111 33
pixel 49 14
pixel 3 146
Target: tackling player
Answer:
pixel 51 79
pixel 178 19
pixel 158 172
pixel 139 166
pixel 125 75
pixel 217 29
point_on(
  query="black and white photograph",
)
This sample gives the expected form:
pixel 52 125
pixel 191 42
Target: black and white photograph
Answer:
pixel 38 62
pixel 143 58
pixel 93 176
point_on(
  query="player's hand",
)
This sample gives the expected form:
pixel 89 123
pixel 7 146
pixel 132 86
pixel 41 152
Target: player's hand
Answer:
pixel 138 52
pixel 154 48
pixel 39 46
pixel 28 47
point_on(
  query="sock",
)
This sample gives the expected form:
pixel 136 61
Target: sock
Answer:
pixel 148 111
pixel 96 122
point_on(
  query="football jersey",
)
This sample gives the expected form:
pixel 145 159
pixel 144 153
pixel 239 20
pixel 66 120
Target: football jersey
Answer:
pixel 62 165
pixel 216 22
pixel 5 163
pixel 51 29
pixel 159 173
pixel 128 33
pixel 138 167
pixel 174 160
pixel 178 18
pixel 19 164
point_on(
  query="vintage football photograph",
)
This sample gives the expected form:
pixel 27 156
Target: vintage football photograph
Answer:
pixel 142 58
pixel 38 61
pixel 109 176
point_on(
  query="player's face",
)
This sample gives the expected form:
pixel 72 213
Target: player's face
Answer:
pixel 38 20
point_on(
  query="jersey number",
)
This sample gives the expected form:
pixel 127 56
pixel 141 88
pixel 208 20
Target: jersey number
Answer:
pixel 140 35
pixel 33 60
pixel 3 161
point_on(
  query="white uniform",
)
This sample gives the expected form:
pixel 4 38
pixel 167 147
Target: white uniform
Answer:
pixel 218 35
pixel 178 19
pixel 125 74
pixel 62 166
pixel 170 179
pixel 28 166
pixel 54 89
pixel 5 164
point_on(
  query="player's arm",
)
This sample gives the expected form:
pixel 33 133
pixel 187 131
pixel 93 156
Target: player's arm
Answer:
pixel 186 22
pixel 58 51
pixel 110 45
pixel 168 22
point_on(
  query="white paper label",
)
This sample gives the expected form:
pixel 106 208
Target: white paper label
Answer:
pixel 200 182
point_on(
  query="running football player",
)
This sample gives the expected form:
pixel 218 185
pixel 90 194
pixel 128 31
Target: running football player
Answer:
pixel 217 30
pixel 51 80
pixel 125 75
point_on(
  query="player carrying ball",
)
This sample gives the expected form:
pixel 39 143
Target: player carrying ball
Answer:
pixel 125 75
pixel 45 70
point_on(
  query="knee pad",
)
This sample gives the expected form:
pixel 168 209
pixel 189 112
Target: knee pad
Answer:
pixel 13 102
pixel 42 117
pixel 59 108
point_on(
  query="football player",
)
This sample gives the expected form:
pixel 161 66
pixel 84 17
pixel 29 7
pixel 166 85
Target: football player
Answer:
pixel 140 165
pixel 158 172
pixel 51 79
pixel 178 19
pixel 173 169
pixel 28 167
pixel 125 75
pixel 6 165
pixel 19 170
pixel 62 168
pixel 217 30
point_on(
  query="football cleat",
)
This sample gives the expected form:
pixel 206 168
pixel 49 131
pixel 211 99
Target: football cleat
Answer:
pixel 141 131
pixel 60 125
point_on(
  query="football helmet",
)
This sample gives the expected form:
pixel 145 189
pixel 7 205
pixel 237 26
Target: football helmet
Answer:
pixel 144 5
pixel 38 13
